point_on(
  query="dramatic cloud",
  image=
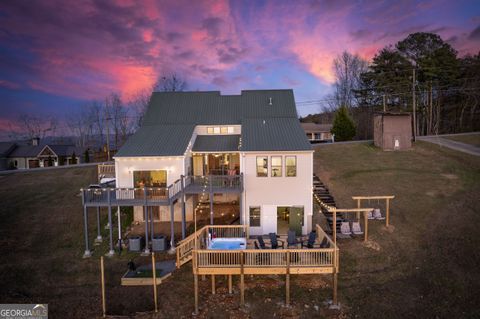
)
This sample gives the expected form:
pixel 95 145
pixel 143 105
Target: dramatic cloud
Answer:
pixel 67 54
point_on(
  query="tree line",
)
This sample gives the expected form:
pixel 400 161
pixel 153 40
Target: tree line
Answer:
pixel 421 73
pixel 112 118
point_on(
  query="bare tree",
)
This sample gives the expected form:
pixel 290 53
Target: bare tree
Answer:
pixel 81 125
pixel 138 103
pixel 170 83
pixel 117 118
pixel 348 69
pixel 32 125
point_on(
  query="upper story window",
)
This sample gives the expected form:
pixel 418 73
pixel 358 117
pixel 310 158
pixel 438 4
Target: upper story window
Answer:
pixel 262 166
pixel 220 130
pixel 291 166
pixel 276 166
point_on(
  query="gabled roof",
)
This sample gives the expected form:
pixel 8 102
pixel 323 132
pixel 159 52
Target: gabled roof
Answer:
pixel 275 134
pixel 158 140
pixel 26 151
pixel 6 148
pixel 314 127
pixel 172 116
pixel 216 143
pixel 34 151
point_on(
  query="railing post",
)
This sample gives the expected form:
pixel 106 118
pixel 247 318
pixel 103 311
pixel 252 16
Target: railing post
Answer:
pixel 242 279
pixel 287 279
pixel 184 225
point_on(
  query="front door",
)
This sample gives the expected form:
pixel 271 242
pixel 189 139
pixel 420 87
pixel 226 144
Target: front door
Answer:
pixel 198 165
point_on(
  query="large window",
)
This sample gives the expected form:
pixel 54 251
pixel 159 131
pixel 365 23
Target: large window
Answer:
pixel 276 166
pixel 262 166
pixel 150 179
pixel 291 166
pixel 255 216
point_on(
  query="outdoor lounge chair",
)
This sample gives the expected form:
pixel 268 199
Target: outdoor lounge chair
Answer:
pixel 261 242
pixel 345 228
pixel 370 215
pixel 256 245
pixel 292 239
pixel 310 243
pixel 377 214
pixel 276 242
pixel 356 229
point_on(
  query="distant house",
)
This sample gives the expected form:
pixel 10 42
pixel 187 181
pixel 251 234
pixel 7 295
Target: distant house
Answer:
pixel 39 155
pixel 392 131
pixel 318 133
pixel 6 148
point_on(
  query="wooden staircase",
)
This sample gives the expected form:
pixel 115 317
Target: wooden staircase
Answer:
pixel 324 198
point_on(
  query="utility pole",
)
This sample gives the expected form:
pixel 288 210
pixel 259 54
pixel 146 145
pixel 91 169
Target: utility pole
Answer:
pixel 414 108
pixel 107 118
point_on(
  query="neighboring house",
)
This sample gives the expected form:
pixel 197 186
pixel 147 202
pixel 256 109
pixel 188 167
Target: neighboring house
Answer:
pixel 36 155
pixel 392 131
pixel 318 133
pixel 247 149
pixel 6 148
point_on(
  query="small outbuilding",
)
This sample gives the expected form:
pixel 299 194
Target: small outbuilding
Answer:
pixel 318 133
pixel 392 131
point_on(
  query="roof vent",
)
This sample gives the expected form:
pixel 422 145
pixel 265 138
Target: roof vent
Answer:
pixel 270 101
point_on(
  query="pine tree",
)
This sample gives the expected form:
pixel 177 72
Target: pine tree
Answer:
pixel 343 126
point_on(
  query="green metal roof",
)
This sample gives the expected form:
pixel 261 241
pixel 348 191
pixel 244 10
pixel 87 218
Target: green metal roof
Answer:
pixel 275 134
pixel 171 117
pixel 158 140
pixel 216 143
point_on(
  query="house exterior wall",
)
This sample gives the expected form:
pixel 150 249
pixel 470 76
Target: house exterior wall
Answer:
pixel 272 192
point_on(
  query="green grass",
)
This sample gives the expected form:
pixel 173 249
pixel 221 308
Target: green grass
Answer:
pixel 472 139
pixel 426 267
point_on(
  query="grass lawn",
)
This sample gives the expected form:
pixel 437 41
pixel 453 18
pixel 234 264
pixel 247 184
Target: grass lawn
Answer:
pixel 427 266
pixel 472 139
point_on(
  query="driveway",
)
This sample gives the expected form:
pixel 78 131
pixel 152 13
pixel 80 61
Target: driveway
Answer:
pixel 462 147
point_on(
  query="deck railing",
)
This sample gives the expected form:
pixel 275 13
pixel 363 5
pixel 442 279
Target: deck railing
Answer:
pixel 161 195
pixel 106 170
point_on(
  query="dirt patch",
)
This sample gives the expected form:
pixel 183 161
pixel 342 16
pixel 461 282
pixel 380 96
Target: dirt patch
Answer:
pixel 450 176
pixel 372 245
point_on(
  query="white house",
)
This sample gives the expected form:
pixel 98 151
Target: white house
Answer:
pixel 248 149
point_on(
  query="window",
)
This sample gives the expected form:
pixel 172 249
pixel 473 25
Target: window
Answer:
pixel 262 166
pixel 255 216
pixel 230 130
pixel 276 166
pixel 216 130
pixel 150 179
pixel 291 166
pixel 209 130
pixel 224 130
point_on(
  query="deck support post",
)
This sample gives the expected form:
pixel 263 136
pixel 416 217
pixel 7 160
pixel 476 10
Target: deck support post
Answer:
pixel 172 229
pixel 184 225
pixel 335 286
pixel 87 252
pixel 365 218
pixel 287 281
pixel 119 221
pixel 387 213
pixel 154 273
pixel 213 284
pixel 147 250
pixel 230 284
pixel 112 251
pixel 99 235
pixel 242 281
pixel 151 224
pixel 211 206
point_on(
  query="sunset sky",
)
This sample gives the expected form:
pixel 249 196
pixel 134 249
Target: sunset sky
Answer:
pixel 55 57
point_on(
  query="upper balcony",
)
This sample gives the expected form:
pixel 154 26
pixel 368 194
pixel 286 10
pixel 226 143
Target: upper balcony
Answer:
pixel 157 196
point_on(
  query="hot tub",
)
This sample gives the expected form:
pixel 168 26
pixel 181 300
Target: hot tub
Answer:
pixel 228 243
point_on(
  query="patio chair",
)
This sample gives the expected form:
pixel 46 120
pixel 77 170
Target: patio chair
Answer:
pixel 292 239
pixel 356 229
pixel 310 243
pixel 261 242
pixel 377 214
pixel 275 242
pixel 345 228
pixel 370 215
